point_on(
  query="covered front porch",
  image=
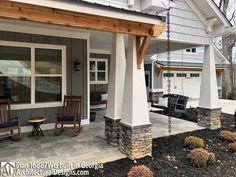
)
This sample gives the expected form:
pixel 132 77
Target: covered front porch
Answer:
pixel 124 117
pixel 89 146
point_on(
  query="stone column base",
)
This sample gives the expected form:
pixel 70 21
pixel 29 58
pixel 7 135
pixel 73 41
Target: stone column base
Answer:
pixel 135 142
pixel 112 131
pixel 209 118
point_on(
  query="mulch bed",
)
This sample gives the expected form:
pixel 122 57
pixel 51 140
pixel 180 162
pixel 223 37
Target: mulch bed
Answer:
pixel 170 158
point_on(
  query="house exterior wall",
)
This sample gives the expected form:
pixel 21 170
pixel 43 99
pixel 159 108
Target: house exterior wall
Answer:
pixel 182 56
pixel 76 81
pixel 185 25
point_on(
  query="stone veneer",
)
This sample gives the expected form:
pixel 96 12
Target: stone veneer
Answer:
pixel 135 142
pixel 112 131
pixel 209 118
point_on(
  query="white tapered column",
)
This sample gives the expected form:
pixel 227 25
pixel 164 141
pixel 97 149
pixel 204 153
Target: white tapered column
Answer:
pixel 135 107
pixel 115 90
pixel 209 109
pixel 209 93
pixel 117 77
pixel 135 134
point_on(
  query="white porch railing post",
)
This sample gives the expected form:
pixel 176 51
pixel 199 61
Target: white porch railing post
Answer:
pixel 115 90
pixel 209 109
pixel 135 134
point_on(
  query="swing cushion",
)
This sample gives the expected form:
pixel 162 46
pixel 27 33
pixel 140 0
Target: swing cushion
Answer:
pixel 8 124
pixel 163 102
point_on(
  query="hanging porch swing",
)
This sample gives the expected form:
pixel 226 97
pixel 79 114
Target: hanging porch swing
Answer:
pixel 176 103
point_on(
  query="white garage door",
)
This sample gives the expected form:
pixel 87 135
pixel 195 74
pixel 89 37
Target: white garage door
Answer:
pixel 184 83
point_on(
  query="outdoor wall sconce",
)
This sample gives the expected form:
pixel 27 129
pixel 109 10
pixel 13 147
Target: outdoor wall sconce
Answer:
pixel 77 65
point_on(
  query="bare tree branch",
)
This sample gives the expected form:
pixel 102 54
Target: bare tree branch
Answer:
pixel 232 17
pixel 225 6
pixel 220 4
pixel 227 44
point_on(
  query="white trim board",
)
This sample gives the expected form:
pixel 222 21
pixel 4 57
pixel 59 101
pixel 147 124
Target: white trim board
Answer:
pixel 49 126
pixel 88 79
pixel 100 51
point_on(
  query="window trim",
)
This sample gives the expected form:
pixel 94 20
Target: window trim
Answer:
pixel 33 75
pixel 166 73
pixel 194 75
pixel 181 75
pixel 96 71
pixel 191 53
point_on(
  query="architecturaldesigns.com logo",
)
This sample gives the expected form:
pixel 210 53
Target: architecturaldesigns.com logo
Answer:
pixel 7 168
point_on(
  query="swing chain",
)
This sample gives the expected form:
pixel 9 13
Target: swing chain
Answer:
pixel 168 67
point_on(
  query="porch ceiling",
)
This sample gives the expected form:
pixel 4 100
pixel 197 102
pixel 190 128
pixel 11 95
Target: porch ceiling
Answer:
pixel 102 41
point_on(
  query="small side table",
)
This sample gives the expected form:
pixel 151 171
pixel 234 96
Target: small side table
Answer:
pixel 36 122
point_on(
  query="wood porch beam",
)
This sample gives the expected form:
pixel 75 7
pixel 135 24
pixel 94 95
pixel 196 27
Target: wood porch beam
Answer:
pixel 138 43
pixel 142 49
pixel 47 15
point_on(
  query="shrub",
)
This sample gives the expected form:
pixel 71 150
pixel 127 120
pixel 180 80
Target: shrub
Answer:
pixel 140 171
pixel 201 157
pixel 228 136
pixel 211 158
pixel 232 147
pixel 193 142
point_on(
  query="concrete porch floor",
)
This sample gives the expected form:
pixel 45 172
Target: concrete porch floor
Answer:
pixel 89 146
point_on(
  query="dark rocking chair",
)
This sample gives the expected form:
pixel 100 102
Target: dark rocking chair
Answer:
pixel 8 123
pixel 71 114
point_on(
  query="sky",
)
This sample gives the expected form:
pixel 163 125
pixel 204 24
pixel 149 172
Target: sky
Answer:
pixel 232 7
